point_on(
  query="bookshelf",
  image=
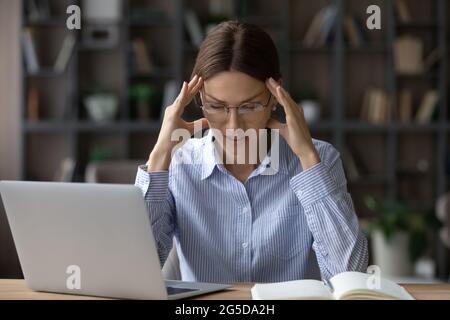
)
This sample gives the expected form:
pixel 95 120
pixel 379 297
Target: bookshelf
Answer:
pixel 397 155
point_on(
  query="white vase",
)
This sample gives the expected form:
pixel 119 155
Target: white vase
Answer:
pixel 392 256
pixel 101 107
pixel 108 10
pixel 311 110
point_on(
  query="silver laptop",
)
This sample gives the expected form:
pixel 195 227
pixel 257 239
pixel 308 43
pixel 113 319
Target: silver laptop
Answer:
pixel 89 239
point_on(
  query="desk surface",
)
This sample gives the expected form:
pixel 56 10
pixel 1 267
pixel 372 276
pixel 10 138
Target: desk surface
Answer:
pixel 17 289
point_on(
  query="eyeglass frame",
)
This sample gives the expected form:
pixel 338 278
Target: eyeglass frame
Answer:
pixel 227 107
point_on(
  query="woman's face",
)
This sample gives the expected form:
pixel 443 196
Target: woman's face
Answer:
pixel 234 89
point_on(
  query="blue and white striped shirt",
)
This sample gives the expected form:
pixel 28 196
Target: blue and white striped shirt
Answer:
pixel 295 224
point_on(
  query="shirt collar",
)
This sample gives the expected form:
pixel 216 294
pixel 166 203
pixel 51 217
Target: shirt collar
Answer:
pixel 210 156
pixel 268 166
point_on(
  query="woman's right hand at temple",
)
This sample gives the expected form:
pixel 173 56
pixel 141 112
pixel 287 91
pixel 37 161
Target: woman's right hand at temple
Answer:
pixel 161 155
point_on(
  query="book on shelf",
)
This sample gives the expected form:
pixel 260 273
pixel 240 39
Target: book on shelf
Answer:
pixel 408 55
pixel 65 53
pixel 321 29
pixel 402 10
pixel 38 9
pixel 193 27
pixel 142 58
pixel 33 103
pixel 66 170
pixel 405 106
pixel 376 106
pixel 353 164
pixel 354 31
pixel 343 286
pixel 432 59
pixel 29 51
pixel 427 106
pixel 349 163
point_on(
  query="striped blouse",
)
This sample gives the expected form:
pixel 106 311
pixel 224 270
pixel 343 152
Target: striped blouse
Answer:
pixel 293 224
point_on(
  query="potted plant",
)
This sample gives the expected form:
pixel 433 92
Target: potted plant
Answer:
pixel 308 99
pixel 145 97
pixel 100 153
pixel 101 104
pixel 399 235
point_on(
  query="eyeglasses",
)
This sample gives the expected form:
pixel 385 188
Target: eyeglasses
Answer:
pixel 218 109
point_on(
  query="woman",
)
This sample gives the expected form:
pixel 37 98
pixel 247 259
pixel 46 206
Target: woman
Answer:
pixel 251 221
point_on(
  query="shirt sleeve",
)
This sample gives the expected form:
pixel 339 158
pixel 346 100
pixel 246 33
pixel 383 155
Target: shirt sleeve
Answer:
pixel 160 207
pixel 322 190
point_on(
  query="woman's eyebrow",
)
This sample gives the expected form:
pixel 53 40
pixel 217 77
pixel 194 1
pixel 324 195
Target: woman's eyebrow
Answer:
pixel 246 100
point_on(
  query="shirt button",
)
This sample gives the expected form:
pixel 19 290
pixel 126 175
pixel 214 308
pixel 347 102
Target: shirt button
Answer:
pixel 244 245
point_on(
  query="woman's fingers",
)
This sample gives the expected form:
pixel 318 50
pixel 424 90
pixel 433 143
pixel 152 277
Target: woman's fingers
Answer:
pixel 272 89
pixel 281 95
pixel 188 90
pixel 196 87
pixel 193 82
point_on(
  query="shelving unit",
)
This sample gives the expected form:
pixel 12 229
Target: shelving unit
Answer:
pixel 338 73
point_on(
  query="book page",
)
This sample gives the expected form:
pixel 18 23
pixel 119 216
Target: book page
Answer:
pixel 292 290
pixel 355 285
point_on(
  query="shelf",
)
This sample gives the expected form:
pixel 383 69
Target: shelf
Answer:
pixel 405 127
pixel 364 126
pixel 89 47
pixel 48 22
pixel 358 126
pixel 418 76
pixel 47 126
pixel 150 125
pixel 369 49
pixel 394 126
pixel 417 25
pixel 89 126
pixel 45 72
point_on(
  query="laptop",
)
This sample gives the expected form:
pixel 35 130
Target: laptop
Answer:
pixel 89 239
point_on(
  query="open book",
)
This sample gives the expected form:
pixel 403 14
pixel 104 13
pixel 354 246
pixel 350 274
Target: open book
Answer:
pixel 344 286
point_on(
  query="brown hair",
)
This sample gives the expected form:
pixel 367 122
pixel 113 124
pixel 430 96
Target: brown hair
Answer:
pixel 237 46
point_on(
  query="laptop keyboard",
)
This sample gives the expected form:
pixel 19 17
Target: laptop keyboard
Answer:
pixel 174 290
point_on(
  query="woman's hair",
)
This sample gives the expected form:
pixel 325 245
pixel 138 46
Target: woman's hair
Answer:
pixel 237 46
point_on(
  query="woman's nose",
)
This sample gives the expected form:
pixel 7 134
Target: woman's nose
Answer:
pixel 234 119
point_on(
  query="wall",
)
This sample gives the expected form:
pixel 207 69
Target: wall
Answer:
pixel 10 93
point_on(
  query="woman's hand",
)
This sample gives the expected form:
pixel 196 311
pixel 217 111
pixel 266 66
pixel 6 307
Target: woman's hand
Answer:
pixel 295 131
pixel 161 154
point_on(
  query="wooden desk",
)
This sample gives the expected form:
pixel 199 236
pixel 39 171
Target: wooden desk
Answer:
pixel 16 289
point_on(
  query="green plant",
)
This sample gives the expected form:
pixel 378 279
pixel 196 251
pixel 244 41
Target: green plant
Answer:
pixel 100 153
pixel 143 92
pixel 393 216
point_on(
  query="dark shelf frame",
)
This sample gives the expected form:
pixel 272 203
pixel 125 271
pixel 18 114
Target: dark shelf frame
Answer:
pixel 337 127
